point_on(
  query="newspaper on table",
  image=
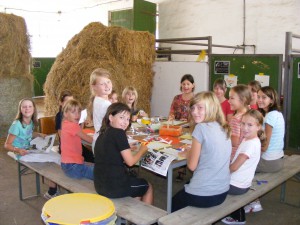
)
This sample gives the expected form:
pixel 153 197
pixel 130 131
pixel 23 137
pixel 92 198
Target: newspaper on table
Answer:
pixel 157 161
pixel 42 145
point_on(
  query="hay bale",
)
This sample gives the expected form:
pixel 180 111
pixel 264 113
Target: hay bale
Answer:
pixel 15 78
pixel 127 55
pixel 14 47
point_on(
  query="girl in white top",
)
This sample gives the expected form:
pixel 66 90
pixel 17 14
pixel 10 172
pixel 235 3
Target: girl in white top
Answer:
pixel 101 87
pixel 271 159
pixel 244 163
pixel 272 152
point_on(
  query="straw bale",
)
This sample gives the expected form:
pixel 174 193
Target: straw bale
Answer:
pixel 12 91
pixel 15 78
pixel 127 55
pixel 131 46
pixel 14 47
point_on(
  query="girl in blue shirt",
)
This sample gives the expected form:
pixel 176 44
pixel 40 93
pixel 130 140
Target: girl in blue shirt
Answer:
pixel 21 132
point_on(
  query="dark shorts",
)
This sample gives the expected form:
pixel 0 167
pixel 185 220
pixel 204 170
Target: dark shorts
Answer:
pixel 183 199
pixel 137 187
pixel 133 187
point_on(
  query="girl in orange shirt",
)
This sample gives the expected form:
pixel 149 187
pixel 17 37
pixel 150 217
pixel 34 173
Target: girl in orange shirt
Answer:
pixel 72 162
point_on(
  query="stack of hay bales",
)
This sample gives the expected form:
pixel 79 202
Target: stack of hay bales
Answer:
pixel 16 82
pixel 127 55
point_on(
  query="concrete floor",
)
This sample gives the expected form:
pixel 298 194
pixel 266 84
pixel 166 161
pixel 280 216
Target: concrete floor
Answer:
pixel 16 212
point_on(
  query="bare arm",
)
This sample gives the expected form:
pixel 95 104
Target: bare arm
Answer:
pixel 85 137
pixel 9 146
pixel 235 140
pixel 193 155
pixel 268 132
pixel 238 162
pixel 59 133
pixel 228 117
pixel 131 159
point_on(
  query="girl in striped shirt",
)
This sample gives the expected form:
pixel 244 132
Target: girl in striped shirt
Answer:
pixel 239 100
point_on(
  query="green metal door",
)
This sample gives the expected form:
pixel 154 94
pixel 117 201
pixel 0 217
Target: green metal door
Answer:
pixel 40 70
pixel 141 18
pixel 123 18
pixel 294 121
pixel 144 16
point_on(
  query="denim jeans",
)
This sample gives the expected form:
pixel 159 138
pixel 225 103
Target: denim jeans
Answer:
pixel 78 171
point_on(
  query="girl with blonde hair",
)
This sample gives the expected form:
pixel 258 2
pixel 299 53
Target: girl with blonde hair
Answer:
pixel 208 157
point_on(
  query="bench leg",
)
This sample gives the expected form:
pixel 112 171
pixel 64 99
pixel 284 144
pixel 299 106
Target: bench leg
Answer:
pixel 169 189
pixel 22 171
pixel 118 221
pixel 20 181
pixel 282 192
pixel 37 184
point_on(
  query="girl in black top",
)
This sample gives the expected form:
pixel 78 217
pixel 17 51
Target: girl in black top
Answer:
pixel 112 150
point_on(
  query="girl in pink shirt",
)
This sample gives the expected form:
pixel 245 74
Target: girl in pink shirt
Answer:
pixel 254 86
pixel 220 89
pixel 72 162
pixel 239 100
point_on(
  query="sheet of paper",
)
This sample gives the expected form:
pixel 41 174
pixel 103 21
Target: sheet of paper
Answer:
pixel 186 136
pixel 186 141
pixel 50 157
pixel 157 161
pixel 231 80
pixel 42 145
pixel 175 122
pixel 157 145
pixel 264 80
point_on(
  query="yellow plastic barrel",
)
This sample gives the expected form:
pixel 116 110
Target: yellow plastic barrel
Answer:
pixel 79 208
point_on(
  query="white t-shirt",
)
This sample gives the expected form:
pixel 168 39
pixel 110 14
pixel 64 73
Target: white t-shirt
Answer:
pixel 276 121
pixel 100 106
pixel 242 178
pixel 83 116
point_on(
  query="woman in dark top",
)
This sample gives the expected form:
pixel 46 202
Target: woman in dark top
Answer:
pixel 112 150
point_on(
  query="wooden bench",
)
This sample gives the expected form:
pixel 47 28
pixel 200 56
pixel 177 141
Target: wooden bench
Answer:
pixel 204 216
pixel 127 208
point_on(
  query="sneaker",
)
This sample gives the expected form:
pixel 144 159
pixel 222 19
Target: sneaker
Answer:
pixel 230 220
pixel 48 196
pixel 253 207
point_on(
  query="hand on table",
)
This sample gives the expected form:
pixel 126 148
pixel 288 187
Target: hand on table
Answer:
pixel 184 152
pixel 21 152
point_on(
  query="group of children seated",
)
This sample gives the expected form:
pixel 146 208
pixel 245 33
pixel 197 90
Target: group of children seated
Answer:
pixel 231 140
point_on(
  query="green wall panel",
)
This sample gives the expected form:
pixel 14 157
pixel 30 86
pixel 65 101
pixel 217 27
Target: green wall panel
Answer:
pixel 40 70
pixel 294 122
pixel 246 66
pixel 123 18
pixel 144 16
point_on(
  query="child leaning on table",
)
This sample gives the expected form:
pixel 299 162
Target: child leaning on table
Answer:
pixel 72 162
pixel 130 98
pixel 245 161
pixel 179 109
pixel 21 131
pixel 208 157
pixel 112 150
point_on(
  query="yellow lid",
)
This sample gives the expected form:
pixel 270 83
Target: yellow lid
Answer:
pixel 75 208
